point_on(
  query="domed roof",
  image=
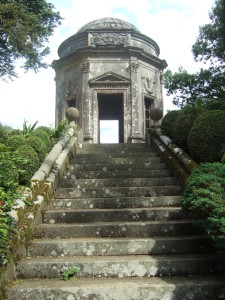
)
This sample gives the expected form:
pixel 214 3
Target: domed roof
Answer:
pixel 108 24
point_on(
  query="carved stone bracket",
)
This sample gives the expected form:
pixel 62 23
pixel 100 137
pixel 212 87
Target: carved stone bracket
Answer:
pixel 133 66
pixel 85 67
pixel 98 39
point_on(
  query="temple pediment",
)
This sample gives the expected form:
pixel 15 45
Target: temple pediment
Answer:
pixel 110 78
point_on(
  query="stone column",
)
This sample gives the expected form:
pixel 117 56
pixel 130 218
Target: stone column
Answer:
pixel 135 127
pixel 86 105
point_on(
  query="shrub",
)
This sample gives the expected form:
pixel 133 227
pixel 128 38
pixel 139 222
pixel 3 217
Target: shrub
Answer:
pixel 44 136
pixel 183 125
pixel 38 145
pixel 204 197
pixel 168 122
pixel 29 164
pixel 61 130
pixel 48 130
pixel 16 141
pixel 9 174
pixel 3 135
pixel 15 132
pixel 206 140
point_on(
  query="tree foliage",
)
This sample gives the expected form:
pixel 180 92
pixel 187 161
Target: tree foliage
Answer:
pixel 209 48
pixel 25 27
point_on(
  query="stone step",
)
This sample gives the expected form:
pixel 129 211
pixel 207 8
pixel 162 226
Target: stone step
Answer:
pixel 121 154
pixel 117 182
pixel 110 167
pixel 123 202
pixel 116 174
pixel 111 147
pixel 118 229
pixel 154 288
pixel 112 192
pixel 119 246
pixel 115 161
pixel 113 215
pixel 100 150
pixel 122 266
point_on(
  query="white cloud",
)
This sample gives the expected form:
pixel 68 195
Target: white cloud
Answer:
pixel 173 24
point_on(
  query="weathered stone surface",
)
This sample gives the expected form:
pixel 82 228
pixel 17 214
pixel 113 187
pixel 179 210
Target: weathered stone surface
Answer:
pixel 120 202
pixel 112 192
pixel 119 246
pixel 111 167
pixel 117 182
pixel 129 242
pixel 101 174
pixel 156 114
pixel 122 266
pixel 170 288
pixel 116 161
pixel 112 215
pixel 118 229
pixel 107 67
pixel 72 114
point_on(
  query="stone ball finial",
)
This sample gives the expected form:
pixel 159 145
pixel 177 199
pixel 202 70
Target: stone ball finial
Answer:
pixel 156 114
pixel 72 114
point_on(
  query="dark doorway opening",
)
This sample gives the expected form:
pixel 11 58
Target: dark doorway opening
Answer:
pixel 111 108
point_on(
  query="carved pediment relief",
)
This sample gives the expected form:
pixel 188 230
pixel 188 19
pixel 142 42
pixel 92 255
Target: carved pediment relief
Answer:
pixel 110 78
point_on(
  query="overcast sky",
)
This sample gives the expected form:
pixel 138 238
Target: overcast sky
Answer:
pixel 173 24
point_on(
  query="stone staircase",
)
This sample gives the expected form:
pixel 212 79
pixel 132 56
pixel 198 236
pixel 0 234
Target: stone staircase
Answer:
pixel 117 218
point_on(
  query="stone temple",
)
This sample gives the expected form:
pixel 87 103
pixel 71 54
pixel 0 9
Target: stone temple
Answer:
pixel 109 70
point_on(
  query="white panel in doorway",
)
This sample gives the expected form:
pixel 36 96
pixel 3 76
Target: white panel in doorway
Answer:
pixel 109 131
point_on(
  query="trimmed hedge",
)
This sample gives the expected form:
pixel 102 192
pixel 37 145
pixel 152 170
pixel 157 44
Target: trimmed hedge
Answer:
pixel 204 198
pixel 183 125
pixel 38 145
pixel 48 130
pixel 168 123
pixel 44 136
pixel 15 132
pixel 16 141
pixel 29 164
pixel 9 173
pixel 206 141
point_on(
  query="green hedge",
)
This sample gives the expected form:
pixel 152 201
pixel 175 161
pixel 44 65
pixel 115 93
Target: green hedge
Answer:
pixel 44 136
pixel 206 141
pixel 38 145
pixel 15 132
pixel 204 197
pixel 8 170
pixel 16 141
pixel 168 123
pixel 29 165
pixel 48 130
pixel 183 125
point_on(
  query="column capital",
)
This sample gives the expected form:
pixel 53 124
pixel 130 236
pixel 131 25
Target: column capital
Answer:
pixel 133 66
pixel 85 67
